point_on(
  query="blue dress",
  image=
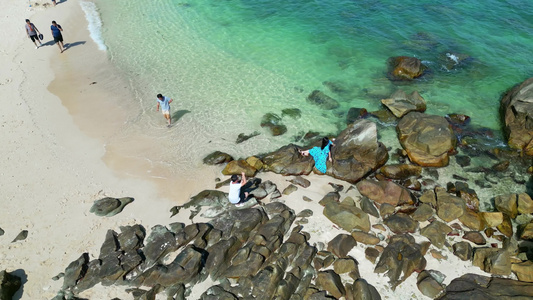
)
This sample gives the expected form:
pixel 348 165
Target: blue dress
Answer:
pixel 320 156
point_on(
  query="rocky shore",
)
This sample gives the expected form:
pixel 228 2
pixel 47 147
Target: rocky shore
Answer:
pixel 388 212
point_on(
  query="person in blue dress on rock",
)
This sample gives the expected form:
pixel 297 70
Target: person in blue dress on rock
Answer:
pixel 320 154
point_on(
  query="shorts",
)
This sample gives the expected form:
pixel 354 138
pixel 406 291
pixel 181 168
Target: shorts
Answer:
pixel 58 38
pixel 166 112
pixel 34 38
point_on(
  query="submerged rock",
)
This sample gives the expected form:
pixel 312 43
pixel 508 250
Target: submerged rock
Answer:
pixel 400 103
pixel 405 68
pixel 322 100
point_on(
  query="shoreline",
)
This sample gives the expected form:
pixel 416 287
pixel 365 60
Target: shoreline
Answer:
pixel 55 158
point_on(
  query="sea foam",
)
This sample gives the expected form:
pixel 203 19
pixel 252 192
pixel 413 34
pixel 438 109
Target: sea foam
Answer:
pixel 95 23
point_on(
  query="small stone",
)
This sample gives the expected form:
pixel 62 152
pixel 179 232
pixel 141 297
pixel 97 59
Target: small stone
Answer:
pixel 365 238
pixel 289 190
pixel 463 250
pixel 21 236
pixel 371 254
pixel 475 237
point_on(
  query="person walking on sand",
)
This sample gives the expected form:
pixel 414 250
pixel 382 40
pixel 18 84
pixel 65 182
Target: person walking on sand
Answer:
pixel 58 37
pixel 320 154
pixel 54 1
pixel 32 31
pixel 237 193
pixel 164 102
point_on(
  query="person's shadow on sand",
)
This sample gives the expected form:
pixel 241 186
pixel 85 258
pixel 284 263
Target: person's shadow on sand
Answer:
pixel 23 279
pixel 179 114
pixel 70 45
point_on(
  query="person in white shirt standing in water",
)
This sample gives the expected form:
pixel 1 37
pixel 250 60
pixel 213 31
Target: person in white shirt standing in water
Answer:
pixel 164 102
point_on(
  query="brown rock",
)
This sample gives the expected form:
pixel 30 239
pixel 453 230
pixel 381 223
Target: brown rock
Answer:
pixel 472 220
pixel 401 223
pixel 405 67
pixel 255 162
pixel 345 265
pixel 429 197
pixel 438 255
pixel 517 111
pixel 507 204
pixel 386 210
pixel 523 270
pixel 239 166
pixel 423 213
pixel 428 139
pixel 331 282
pixel 371 254
pixel 428 285
pixel 341 245
pixel 492 260
pixel 401 171
pixel 365 238
pixel 527 232
pixel 400 103
pixel 492 219
pixel 463 250
pixel 475 237
pixel 506 227
pixel 436 232
pixel 449 207
pixel 384 192
pixel 346 216
pixel 525 204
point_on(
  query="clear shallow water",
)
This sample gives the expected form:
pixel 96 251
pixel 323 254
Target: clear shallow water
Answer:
pixel 226 63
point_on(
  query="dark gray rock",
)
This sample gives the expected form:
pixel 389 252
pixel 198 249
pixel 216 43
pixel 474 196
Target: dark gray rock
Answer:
pixel 217 158
pixel 216 292
pixel 289 190
pixel 21 236
pixel 1 232
pixel 362 290
pixel 369 207
pixel 294 113
pixel 401 223
pixel 244 137
pixel 287 161
pixel 348 217
pixel 266 281
pixel 400 259
pixel 436 232
pixel 463 250
pixel 160 242
pixel 273 122
pixel 131 237
pixel 9 285
pixel 299 180
pixel 516 109
pixel 341 245
pixel 108 207
pixel 472 286
pixel 422 213
pixel 428 285
pixel 75 271
pixel 331 282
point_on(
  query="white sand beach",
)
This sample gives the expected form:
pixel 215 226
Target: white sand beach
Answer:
pixel 54 160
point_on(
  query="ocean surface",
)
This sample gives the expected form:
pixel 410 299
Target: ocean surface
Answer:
pixel 228 62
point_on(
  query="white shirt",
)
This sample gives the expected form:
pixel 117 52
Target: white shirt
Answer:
pixel 234 192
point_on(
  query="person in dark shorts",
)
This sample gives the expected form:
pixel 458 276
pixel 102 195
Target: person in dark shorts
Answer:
pixel 32 31
pixel 58 37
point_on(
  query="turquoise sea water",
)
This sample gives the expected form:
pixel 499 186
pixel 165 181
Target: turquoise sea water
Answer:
pixel 228 62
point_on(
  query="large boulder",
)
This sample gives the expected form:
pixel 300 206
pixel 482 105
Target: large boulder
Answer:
pixel 471 286
pixel 405 68
pixel 400 103
pixel 357 152
pixel 400 259
pixel 516 109
pixel 237 167
pixel 384 192
pixel 287 161
pixel 428 139
pixel 348 217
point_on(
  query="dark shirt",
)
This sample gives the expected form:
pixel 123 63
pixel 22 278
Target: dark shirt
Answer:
pixel 55 30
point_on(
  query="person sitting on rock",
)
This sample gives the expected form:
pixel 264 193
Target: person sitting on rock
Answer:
pixel 237 194
pixel 320 154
